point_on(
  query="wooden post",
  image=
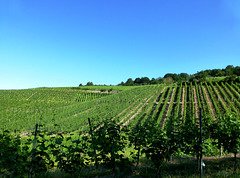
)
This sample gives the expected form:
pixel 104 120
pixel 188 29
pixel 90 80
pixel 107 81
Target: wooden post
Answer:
pixel 172 132
pixel 201 166
pixel 34 147
pixel 89 122
pixel 221 150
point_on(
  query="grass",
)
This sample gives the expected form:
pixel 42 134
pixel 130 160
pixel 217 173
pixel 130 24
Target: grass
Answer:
pixel 215 79
pixel 106 88
pixel 180 167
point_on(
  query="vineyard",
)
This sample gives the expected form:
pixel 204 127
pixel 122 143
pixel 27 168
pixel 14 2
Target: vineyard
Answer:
pixel 20 110
pixel 151 120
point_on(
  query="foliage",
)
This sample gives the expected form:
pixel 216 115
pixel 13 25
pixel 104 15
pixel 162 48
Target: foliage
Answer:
pixel 40 157
pixel 109 143
pixel 168 80
pixel 226 131
pixel 137 118
pixel 232 78
pixel 138 140
pixel 129 82
pixel 189 132
pixel 71 157
pixel 105 146
pixel 13 155
pixel 230 71
pixel 159 144
pixel 89 84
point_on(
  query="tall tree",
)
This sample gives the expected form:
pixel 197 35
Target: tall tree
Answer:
pixel 145 80
pixel 154 81
pixel 89 84
pixel 129 82
pixel 237 71
pixel 184 77
pixel 138 81
pixel 174 76
pixel 229 70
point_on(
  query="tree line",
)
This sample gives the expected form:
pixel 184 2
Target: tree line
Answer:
pixel 230 73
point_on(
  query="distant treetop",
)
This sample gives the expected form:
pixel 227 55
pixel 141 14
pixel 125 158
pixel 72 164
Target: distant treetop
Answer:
pixel 230 73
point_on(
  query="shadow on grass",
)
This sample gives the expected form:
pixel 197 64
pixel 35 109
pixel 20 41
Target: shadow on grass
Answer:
pixel 188 167
pixel 181 167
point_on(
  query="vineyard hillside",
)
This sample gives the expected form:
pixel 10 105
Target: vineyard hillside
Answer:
pixel 113 130
pixel 69 108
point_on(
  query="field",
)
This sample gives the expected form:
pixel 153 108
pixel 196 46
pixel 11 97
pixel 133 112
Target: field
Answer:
pixel 20 110
pixel 67 110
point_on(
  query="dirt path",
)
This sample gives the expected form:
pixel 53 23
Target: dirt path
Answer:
pixel 123 110
pixel 75 115
pixel 132 111
pixel 213 113
pixel 196 107
pixel 225 91
pixel 100 91
pixel 167 109
pixel 139 109
pixel 31 95
pixel 134 115
pixel 182 101
pixel 201 98
pixel 125 116
pixel 157 102
pixel 170 102
pixel 235 92
pixel 116 116
pixel 236 89
pixel 220 97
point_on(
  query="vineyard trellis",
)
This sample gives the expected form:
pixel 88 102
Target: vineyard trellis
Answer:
pixel 167 110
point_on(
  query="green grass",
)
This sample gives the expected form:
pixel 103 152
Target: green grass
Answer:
pixel 95 87
pixel 215 79
pixel 180 168
pixel 106 88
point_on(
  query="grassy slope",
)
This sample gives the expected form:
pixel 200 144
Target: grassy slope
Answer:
pixel 180 168
pixel 214 79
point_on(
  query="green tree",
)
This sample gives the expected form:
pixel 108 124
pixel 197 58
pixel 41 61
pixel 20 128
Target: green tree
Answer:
pixel 129 82
pixel 145 80
pixel 89 84
pixel 217 73
pixel 175 77
pixel 231 78
pixel 168 80
pixel 184 77
pixel 154 81
pixel 229 70
pixel 160 80
pixel 137 81
pixel 237 71
pixel 201 76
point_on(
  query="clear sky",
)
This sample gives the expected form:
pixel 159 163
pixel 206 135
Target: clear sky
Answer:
pixel 56 43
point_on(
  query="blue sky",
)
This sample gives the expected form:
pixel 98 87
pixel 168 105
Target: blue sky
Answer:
pixel 56 43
